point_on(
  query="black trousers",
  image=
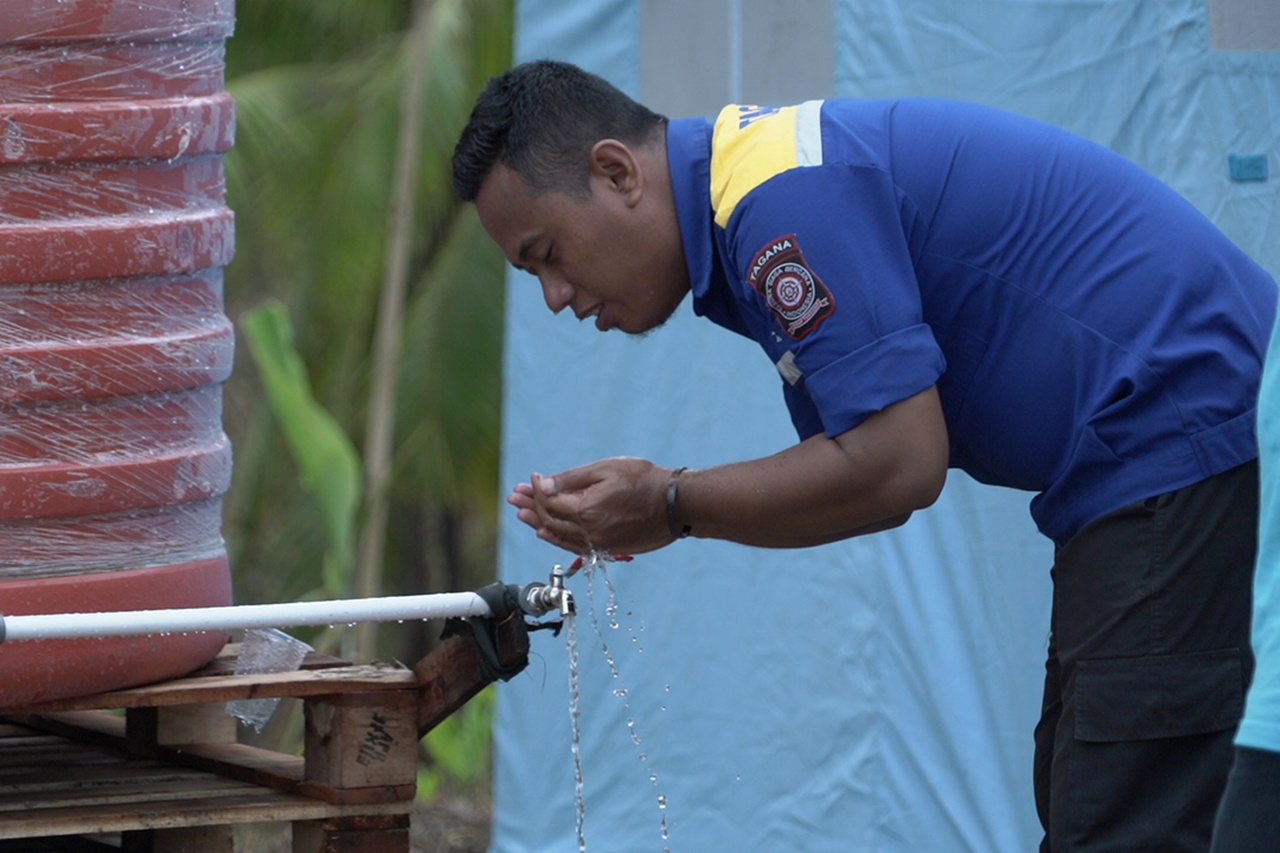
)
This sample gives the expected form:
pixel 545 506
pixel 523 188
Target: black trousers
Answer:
pixel 1251 806
pixel 1149 660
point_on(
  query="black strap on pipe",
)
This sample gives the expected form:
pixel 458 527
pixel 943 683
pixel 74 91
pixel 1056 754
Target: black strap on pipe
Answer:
pixel 504 603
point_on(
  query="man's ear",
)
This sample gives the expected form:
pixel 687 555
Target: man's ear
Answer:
pixel 617 164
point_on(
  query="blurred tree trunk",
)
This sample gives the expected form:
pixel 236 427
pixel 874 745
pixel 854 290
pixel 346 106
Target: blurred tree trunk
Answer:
pixel 380 423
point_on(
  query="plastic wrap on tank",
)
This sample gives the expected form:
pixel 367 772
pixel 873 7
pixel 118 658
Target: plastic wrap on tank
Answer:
pixel 114 344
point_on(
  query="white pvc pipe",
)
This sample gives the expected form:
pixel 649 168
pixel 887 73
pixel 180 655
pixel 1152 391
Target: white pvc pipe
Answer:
pixel 193 620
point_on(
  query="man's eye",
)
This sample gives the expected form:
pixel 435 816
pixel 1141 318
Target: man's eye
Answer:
pixel 549 257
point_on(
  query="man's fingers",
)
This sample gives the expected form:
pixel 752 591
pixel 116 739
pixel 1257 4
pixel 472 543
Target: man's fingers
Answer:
pixel 530 516
pixel 547 536
pixel 564 529
pixel 559 519
pixel 542 485
pixel 520 501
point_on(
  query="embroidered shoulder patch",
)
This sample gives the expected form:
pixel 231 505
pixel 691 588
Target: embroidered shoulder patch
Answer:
pixel 797 297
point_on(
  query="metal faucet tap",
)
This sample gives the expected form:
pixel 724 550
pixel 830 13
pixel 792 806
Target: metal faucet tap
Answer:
pixel 537 599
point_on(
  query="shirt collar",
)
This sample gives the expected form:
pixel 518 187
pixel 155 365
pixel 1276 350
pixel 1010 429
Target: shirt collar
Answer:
pixel 689 162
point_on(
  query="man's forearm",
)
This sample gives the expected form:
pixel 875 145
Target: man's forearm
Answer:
pixel 822 490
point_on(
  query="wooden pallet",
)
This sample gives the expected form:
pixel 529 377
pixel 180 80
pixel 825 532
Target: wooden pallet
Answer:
pixel 166 774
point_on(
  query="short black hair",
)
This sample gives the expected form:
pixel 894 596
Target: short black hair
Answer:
pixel 541 119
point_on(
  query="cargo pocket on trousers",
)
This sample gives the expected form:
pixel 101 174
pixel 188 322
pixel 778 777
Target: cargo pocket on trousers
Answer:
pixel 1164 696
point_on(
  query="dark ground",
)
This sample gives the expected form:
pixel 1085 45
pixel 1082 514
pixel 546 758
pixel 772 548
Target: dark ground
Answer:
pixel 451 825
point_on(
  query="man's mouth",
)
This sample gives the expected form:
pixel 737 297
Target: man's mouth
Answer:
pixel 594 312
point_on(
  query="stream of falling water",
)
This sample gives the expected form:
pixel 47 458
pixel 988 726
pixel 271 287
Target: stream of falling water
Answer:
pixel 575 720
pixel 593 565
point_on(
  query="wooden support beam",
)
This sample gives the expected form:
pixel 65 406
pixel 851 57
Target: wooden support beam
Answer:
pixel 452 674
pixel 148 729
pixel 223 688
pixel 362 747
pixel 371 834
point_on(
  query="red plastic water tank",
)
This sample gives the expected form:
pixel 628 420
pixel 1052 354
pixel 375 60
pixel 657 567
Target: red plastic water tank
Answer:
pixel 113 341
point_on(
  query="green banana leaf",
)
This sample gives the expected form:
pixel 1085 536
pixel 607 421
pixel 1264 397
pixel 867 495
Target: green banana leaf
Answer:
pixel 328 464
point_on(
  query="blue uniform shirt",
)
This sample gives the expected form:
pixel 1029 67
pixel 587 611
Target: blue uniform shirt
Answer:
pixel 1093 338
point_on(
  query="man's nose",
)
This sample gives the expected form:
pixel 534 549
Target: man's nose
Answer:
pixel 557 292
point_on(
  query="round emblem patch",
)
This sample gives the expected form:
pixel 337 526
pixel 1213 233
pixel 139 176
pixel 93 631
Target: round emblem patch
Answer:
pixel 796 296
pixel 790 287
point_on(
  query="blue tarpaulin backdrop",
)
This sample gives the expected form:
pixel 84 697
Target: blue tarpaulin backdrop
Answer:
pixel 877 694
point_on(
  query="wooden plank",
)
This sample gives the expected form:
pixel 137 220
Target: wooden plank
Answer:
pixel 50 752
pixel 82 727
pixel 110 792
pixel 37 782
pixel 65 844
pixel 30 741
pixel 403 793
pixel 129 792
pixel 254 806
pixel 451 674
pixel 235 760
pixel 223 688
pixel 273 769
pixel 260 767
pixel 8 730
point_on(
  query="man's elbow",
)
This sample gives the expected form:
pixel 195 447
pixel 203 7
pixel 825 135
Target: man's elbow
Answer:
pixel 922 494
pixel 929 487
pixel 923 467
pixel 916 488
pixel 896 521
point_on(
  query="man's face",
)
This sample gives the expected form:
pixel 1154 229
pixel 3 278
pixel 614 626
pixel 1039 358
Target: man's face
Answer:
pixel 614 255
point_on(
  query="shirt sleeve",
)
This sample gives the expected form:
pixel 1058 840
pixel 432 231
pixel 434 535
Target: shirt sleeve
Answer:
pixel 822 256
pixel 804 415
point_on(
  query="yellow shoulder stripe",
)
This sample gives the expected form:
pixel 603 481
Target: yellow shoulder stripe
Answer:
pixel 752 144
